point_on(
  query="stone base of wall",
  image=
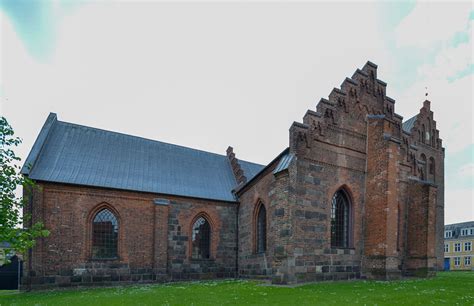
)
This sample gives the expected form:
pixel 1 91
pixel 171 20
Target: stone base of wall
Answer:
pixel 48 282
pixel 110 274
pixel 382 268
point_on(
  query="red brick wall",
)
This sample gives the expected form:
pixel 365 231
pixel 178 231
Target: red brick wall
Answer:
pixel 148 248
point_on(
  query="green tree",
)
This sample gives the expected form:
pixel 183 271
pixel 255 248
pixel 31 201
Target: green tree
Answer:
pixel 11 206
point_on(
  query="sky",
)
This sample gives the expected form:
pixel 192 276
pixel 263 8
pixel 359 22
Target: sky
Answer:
pixel 209 75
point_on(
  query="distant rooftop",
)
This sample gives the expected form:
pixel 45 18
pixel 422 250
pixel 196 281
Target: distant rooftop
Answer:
pixel 457 227
pixel 75 154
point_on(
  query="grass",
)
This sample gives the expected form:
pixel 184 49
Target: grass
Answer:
pixel 448 288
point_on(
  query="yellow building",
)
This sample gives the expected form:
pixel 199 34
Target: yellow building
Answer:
pixel 459 246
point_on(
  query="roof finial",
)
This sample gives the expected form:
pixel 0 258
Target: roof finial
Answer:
pixel 426 91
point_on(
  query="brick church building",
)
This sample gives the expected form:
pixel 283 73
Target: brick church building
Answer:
pixel 358 193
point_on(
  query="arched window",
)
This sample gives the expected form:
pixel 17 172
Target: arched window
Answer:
pixel 423 134
pixel 261 234
pixel 432 168
pixel 340 218
pixel 105 235
pixel 423 167
pixel 201 239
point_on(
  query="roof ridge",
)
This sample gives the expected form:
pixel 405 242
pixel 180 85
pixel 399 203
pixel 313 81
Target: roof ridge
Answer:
pixel 147 139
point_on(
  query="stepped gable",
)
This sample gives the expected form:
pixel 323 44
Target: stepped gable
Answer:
pixel 347 107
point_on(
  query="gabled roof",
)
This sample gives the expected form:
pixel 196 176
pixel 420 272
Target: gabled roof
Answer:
pixel 74 154
pixel 408 125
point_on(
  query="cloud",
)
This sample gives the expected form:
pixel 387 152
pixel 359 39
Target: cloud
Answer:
pixel 450 61
pixel 432 22
pixel 458 205
pixel 467 170
pixel 448 77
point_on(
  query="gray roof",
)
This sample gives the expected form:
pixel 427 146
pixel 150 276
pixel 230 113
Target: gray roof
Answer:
pixel 250 169
pixel 408 125
pixel 74 154
pixel 457 227
pixel 284 163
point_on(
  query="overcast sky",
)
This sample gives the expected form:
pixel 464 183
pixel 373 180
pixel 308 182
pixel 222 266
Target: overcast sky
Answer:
pixel 210 75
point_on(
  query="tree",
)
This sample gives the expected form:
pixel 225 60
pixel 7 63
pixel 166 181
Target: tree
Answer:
pixel 12 215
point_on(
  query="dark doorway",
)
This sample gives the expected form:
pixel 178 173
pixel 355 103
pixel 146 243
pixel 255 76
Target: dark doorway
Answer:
pixel 9 274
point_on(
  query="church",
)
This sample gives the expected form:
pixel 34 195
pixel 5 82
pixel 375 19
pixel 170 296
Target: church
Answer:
pixel 358 193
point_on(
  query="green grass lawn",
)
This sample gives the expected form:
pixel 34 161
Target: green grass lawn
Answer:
pixel 448 288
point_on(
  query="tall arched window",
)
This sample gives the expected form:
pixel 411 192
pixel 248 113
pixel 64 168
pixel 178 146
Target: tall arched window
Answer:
pixel 105 235
pixel 201 239
pixel 423 167
pixel 432 168
pixel 261 234
pixel 423 133
pixel 340 218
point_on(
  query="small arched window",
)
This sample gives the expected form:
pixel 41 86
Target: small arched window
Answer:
pixel 340 220
pixel 201 239
pixel 261 229
pixel 105 229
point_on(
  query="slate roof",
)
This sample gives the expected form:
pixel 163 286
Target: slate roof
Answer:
pixel 457 227
pixel 408 125
pixel 75 154
pixel 284 163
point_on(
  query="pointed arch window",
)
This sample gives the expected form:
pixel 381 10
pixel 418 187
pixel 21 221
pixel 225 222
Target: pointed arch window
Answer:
pixel 423 134
pixel 423 167
pixel 432 169
pixel 105 229
pixel 340 220
pixel 261 234
pixel 201 239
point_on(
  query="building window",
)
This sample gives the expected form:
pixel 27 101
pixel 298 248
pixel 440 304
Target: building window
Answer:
pixel 105 235
pixel 457 247
pixel 432 168
pixel 446 247
pixel 471 231
pixel 424 134
pixel 423 167
pixel 201 239
pixel 467 246
pixel 340 218
pixel 467 260
pixel 457 261
pixel 261 229
pixel 448 234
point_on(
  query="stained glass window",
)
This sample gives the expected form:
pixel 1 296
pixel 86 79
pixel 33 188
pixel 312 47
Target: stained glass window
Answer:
pixel 340 220
pixel 261 229
pixel 105 235
pixel 201 239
